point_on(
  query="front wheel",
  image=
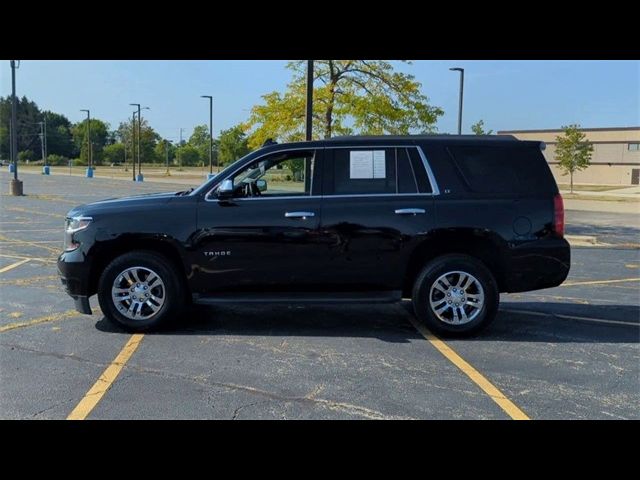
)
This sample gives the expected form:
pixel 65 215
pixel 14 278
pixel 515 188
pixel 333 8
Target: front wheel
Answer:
pixel 455 294
pixel 140 291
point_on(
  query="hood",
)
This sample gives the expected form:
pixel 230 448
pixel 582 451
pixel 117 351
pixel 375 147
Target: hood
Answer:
pixel 124 203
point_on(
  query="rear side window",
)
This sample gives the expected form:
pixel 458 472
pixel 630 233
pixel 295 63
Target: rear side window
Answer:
pixel 500 169
pixel 362 171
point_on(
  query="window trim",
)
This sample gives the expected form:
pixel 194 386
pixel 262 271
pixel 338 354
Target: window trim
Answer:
pixel 435 190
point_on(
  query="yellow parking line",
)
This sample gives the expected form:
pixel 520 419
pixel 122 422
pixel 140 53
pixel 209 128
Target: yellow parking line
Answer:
pixel 476 377
pixel 95 394
pixel 600 282
pixel 14 265
pixel 36 321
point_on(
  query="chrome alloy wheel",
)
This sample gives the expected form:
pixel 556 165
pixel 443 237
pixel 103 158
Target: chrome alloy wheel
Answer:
pixel 138 293
pixel 456 298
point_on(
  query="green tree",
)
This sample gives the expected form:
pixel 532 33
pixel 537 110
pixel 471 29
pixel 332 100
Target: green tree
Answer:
pixel 363 96
pixel 573 153
pixel 478 128
pixel 188 156
pixel 28 132
pixel 99 136
pixel 59 137
pixel 149 140
pixel 113 153
pixel 161 151
pixel 200 141
pixel 233 144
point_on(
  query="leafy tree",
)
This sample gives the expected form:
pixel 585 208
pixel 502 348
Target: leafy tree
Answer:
pixel 99 135
pixel 147 145
pixel 200 141
pixel 478 128
pixel 188 155
pixel 364 96
pixel 28 132
pixel 573 153
pixel 233 145
pixel 113 153
pixel 161 151
pixel 59 137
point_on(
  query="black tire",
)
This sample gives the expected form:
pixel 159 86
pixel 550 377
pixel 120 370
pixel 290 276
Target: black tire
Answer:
pixel 173 291
pixel 434 270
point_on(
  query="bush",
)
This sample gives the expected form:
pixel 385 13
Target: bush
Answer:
pixel 79 162
pixel 57 160
pixel 26 156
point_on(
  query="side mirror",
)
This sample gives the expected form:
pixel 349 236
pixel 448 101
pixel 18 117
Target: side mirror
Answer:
pixel 226 189
pixel 262 185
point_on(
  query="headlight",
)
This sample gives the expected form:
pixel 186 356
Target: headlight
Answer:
pixel 73 225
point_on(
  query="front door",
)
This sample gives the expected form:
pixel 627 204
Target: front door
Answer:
pixel 265 237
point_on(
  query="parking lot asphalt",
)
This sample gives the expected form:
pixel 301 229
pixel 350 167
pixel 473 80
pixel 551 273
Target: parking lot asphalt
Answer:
pixel 570 352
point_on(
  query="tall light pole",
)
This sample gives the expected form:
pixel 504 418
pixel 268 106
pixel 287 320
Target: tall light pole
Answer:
pixel 179 147
pixel 309 132
pixel 16 185
pixel 139 178
pixel 166 148
pixel 461 70
pixel 89 163
pixel 210 133
pixel 133 144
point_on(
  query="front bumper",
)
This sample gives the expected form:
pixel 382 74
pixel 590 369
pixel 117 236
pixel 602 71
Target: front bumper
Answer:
pixel 74 276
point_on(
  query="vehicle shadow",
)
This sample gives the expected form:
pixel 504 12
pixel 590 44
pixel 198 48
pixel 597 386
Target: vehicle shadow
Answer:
pixel 516 321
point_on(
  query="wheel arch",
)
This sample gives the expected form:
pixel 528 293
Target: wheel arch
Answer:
pixel 106 252
pixel 486 246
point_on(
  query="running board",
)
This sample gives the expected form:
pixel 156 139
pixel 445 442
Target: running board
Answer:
pixel 302 297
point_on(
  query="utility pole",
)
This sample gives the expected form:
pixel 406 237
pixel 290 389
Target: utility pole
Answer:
pixel 16 185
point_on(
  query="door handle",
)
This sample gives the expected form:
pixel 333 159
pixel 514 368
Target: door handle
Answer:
pixel 302 215
pixel 411 211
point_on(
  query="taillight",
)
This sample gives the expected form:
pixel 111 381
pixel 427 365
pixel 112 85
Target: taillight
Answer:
pixel 558 215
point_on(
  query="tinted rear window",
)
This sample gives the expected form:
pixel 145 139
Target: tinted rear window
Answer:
pixel 504 169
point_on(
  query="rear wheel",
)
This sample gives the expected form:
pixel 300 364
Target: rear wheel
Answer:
pixel 140 291
pixel 456 294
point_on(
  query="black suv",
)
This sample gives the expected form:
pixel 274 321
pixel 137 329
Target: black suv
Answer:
pixel 448 221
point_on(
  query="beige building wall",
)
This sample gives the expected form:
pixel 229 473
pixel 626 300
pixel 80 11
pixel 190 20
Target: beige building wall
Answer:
pixel 612 162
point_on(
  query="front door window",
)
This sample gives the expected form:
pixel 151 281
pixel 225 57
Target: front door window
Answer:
pixel 286 174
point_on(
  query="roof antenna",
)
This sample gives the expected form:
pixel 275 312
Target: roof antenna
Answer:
pixel 269 141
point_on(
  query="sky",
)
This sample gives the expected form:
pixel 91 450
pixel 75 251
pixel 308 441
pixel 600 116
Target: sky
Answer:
pixel 507 95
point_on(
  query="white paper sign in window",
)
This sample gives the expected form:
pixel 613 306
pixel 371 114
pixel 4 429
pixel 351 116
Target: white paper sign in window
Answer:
pixel 379 164
pixel 360 164
pixel 367 164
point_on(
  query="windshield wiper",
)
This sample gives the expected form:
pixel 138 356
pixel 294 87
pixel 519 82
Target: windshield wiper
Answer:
pixel 186 192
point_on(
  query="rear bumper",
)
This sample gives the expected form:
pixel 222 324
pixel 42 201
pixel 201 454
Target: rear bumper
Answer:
pixel 537 265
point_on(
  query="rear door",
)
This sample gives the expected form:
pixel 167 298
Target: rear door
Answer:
pixel 377 206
